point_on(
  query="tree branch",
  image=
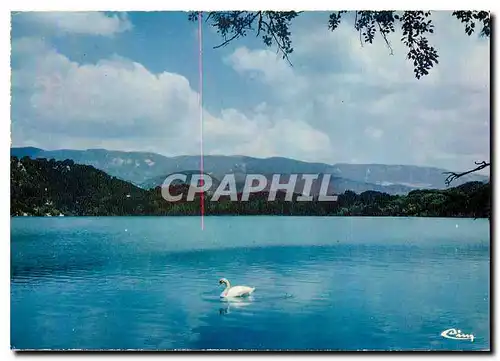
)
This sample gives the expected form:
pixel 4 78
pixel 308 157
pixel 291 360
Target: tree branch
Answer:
pixel 210 14
pixel 453 175
pixel 357 27
pixel 280 47
pixel 259 27
pixel 237 32
pixel 227 41
pixel 385 38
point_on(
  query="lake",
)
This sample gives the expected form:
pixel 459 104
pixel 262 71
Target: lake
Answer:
pixel 322 283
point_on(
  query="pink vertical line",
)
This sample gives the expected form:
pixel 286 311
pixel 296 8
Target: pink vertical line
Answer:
pixel 200 102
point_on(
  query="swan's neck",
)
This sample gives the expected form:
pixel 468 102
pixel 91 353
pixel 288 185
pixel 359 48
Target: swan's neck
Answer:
pixel 228 285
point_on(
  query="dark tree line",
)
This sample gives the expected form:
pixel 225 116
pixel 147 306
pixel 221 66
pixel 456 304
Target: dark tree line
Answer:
pixel 44 187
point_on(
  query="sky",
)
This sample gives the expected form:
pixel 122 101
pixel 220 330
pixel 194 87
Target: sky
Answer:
pixel 129 81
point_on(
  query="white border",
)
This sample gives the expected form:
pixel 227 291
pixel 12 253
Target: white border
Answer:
pixel 123 5
pixel 151 5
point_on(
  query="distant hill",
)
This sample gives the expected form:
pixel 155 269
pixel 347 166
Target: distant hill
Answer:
pixel 31 152
pixel 148 170
pixel 47 187
pixel 406 175
pixel 336 185
pixel 41 187
pixel 158 181
pixel 135 167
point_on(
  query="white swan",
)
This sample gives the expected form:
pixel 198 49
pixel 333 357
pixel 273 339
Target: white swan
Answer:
pixel 236 291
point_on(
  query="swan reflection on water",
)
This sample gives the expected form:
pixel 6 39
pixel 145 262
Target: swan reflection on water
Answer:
pixel 234 303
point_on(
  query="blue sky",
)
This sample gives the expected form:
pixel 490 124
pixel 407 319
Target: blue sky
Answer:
pixel 129 81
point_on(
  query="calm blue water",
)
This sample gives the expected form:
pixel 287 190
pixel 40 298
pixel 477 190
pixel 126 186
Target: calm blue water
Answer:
pixel 321 283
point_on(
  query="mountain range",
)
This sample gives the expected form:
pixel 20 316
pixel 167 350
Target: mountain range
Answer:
pixel 41 187
pixel 148 170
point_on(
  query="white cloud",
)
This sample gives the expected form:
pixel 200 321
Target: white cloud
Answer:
pixel 265 62
pixel 90 23
pixel 351 91
pixel 269 67
pixel 374 133
pixel 119 104
pixel 336 104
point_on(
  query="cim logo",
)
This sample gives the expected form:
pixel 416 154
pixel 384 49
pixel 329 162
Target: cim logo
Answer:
pixel 454 334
